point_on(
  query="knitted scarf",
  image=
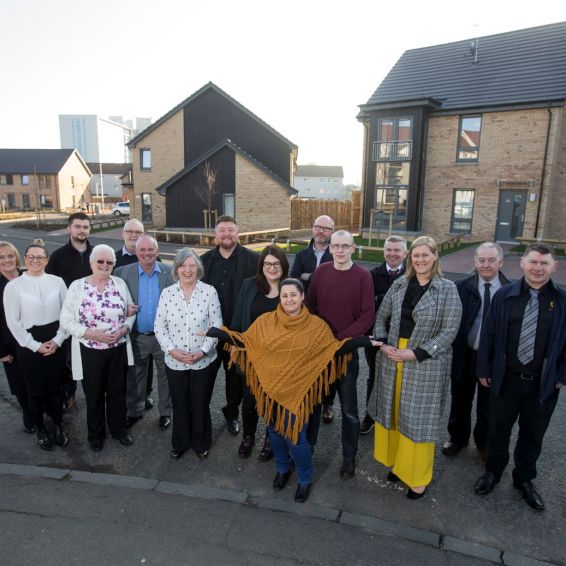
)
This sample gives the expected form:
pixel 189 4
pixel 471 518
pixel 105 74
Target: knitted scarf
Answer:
pixel 288 361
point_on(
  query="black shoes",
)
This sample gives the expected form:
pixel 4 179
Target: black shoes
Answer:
pixel 452 448
pixel 164 422
pixel 176 454
pixel 202 455
pixel 266 453
pixel 348 469
pixel 280 480
pixel 367 425
pixel 61 437
pixel 233 426
pixel 302 493
pixel 96 444
pixel 44 440
pixel 392 477
pixel 327 414
pixel 246 446
pixel 486 483
pixel 530 494
pixel 131 421
pixel 30 429
pixel 148 403
pixel 414 494
pixel 125 440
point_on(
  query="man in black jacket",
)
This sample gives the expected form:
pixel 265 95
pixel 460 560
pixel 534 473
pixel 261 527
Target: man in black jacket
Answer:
pixel 133 230
pixel 225 267
pixel 475 293
pixel 394 253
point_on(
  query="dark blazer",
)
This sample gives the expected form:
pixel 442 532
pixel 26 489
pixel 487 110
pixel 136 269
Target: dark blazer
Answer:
pixel 126 259
pixel 491 362
pixel 471 304
pixel 382 281
pixel 246 266
pixel 305 262
pixel 130 274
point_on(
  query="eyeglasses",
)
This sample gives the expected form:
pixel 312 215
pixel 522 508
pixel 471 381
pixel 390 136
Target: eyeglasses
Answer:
pixel 343 247
pixel 104 261
pixel 271 264
pixel 36 257
pixel 323 228
pixel 136 232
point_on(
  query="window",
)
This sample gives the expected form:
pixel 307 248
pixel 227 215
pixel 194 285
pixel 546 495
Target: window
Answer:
pixel 394 140
pixel 145 159
pixel 462 210
pixel 469 138
pixel 11 200
pixel 26 201
pixel 25 179
pixel 146 208
pixel 392 190
pixel 228 205
pixel 6 180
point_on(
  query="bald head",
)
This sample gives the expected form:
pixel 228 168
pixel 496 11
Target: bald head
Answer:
pixel 322 230
pixel 132 230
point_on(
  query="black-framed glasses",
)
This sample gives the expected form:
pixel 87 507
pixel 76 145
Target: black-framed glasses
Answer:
pixel 104 261
pixel 323 228
pixel 36 257
pixel 271 264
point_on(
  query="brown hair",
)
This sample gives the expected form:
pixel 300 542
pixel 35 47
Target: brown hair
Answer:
pixel 37 244
pixel 260 279
pixel 540 247
pixel 431 244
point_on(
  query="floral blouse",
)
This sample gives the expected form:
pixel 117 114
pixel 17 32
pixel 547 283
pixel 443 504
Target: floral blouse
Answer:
pixel 102 311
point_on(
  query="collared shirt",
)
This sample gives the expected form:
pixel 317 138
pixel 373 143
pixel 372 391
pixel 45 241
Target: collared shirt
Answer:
pixel 546 300
pixel 148 298
pixel 475 330
pixel 318 254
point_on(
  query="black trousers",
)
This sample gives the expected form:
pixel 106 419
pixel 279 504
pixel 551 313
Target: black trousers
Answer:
pixel 234 384
pixel 51 402
pixel 370 354
pixel 518 399
pixel 463 392
pixel 191 392
pixel 104 385
pixel 250 417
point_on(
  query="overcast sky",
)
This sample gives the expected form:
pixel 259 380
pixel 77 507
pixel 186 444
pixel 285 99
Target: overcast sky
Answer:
pixel 301 66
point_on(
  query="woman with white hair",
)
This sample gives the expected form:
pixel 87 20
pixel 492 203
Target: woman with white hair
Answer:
pixel 95 313
pixel 186 309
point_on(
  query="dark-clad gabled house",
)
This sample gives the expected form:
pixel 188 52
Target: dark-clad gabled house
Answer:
pixel 43 178
pixel 252 162
pixel 470 138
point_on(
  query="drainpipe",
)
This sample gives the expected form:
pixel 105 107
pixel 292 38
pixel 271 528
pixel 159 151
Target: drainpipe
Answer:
pixel 543 171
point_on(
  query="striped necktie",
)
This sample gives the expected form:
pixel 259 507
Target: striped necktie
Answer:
pixel 526 349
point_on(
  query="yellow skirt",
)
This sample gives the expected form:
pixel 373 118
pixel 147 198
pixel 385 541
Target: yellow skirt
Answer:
pixel 411 461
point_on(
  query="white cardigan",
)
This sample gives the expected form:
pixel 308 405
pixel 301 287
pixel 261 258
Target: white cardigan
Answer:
pixel 70 321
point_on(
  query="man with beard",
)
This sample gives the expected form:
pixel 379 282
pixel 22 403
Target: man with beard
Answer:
pixel 225 267
pixel 72 262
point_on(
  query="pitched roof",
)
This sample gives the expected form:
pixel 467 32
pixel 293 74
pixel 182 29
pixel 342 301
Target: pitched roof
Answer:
pixel 162 189
pixel 132 143
pixel 319 171
pixel 517 67
pixel 42 161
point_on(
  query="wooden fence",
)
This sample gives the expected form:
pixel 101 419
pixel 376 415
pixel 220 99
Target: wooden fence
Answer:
pixel 345 213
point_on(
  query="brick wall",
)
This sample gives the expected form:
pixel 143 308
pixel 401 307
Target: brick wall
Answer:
pixel 167 158
pixel 262 203
pixel 73 180
pixel 511 147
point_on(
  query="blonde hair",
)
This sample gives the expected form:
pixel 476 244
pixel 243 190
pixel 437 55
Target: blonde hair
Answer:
pixel 431 244
pixel 13 249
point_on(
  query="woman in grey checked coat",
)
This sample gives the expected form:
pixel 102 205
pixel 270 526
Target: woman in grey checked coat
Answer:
pixel 417 321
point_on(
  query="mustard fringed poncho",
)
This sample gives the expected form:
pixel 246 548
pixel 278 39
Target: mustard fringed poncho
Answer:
pixel 288 361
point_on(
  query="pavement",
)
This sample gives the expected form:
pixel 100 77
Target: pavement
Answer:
pixel 364 520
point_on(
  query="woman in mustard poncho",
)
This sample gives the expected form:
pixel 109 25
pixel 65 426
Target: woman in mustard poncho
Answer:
pixel 290 359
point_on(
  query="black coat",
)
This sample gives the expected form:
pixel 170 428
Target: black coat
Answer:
pixel 69 264
pixel 382 281
pixel 305 262
pixel 471 304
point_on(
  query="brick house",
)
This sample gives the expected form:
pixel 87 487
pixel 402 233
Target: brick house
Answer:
pixel 470 137
pixel 43 178
pixel 252 162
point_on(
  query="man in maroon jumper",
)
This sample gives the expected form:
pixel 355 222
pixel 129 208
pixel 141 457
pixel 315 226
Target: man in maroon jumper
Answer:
pixel 342 294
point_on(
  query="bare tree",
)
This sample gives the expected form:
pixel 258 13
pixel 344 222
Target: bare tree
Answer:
pixel 206 191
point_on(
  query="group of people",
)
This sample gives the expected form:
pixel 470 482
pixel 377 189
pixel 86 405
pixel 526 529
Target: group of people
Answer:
pixel 289 342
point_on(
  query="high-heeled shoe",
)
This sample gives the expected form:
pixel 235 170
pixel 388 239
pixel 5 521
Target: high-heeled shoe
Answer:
pixel 414 494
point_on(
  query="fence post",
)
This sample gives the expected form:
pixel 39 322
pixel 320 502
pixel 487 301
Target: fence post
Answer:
pixel 360 252
pixel 288 245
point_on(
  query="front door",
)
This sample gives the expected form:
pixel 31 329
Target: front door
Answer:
pixel 510 215
pixel 146 212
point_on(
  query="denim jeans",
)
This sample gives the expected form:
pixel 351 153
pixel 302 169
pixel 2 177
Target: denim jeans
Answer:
pixel 284 450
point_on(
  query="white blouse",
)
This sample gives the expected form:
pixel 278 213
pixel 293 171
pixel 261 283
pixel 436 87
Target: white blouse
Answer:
pixel 177 322
pixel 34 301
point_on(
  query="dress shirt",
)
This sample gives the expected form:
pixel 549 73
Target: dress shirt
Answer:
pixel 318 254
pixel 178 321
pixel 34 301
pixel 148 298
pixel 475 330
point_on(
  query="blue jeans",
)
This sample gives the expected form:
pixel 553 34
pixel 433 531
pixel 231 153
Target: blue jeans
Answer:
pixel 348 394
pixel 284 449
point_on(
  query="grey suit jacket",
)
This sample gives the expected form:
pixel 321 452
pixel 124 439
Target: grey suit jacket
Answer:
pixel 130 274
